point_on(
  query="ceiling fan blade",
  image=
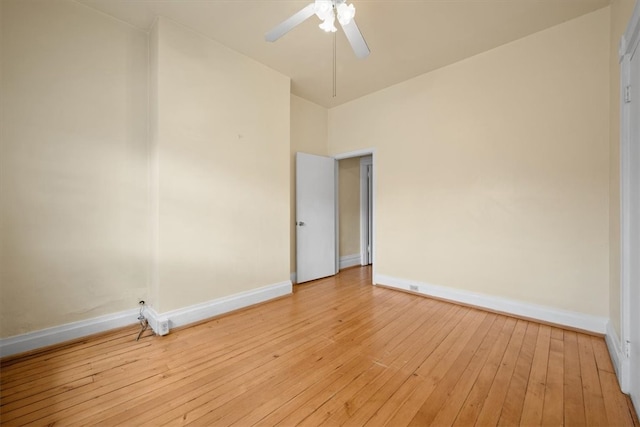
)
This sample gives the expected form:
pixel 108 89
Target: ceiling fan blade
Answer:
pixel 287 25
pixel 356 40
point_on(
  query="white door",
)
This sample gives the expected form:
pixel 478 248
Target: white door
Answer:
pixel 315 217
pixel 634 291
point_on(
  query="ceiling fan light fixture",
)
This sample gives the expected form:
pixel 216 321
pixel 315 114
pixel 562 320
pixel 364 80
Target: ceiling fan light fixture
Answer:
pixel 327 11
pixel 328 24
pixel 346 13
pixel 323 9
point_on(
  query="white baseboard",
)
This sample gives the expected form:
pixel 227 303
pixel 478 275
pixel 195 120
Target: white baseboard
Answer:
pixel 206 310
pixel 184 316
pixel 349 261
pixel 67 332
pixel 542 313
pixel 618 358
pixel 345 262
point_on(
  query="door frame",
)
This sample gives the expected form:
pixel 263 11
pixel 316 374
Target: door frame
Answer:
pixel 629 171
pixel 360 153
pixel 366 221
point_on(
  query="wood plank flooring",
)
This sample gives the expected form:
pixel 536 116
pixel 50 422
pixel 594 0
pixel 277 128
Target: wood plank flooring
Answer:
pixel 337 352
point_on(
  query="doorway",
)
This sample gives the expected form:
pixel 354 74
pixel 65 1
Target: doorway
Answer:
pixel 356 208
pixel 312 246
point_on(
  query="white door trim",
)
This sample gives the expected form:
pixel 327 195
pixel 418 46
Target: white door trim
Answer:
pixel 364 209
pixel 336 192
pixel 628 172
pixel 360 153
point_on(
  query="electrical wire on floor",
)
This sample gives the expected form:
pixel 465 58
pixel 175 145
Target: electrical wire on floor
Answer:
pixel 144 323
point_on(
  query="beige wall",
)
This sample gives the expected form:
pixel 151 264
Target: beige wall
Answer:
pixel 493 173
pixel 223 184
pixel 88 199
pixel 308 135
pixel 73 162
pixel 621 11
pixel 349 206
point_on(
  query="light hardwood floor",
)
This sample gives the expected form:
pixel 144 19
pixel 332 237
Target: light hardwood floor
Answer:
pixel 337 352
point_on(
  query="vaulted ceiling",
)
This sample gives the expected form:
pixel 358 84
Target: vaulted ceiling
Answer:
pixel 406 37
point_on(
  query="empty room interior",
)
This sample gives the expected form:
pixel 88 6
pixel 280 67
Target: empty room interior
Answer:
pixel 257 212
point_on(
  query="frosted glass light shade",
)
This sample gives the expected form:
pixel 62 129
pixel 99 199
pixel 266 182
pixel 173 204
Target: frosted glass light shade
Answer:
pixel 346 13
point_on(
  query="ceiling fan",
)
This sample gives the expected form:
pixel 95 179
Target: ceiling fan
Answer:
pixel 326 10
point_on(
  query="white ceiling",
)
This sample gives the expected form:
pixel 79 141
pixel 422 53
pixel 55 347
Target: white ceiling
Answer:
pixel 406 37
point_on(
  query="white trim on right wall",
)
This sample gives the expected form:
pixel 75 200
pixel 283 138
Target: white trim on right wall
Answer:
pixel 618 358
pixel 621 347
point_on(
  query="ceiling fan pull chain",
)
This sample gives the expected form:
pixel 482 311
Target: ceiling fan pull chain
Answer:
pixel 334 65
